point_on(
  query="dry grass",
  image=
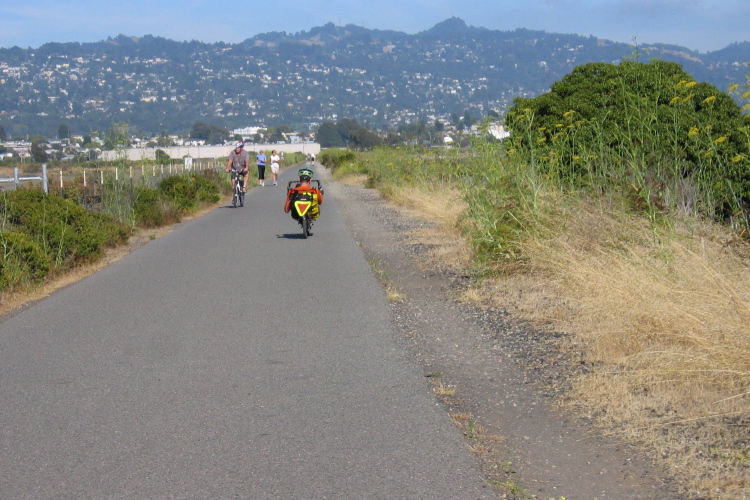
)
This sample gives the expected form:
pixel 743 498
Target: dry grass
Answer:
pixel 664 316
pixel 443 390
pixel 352 179
pixel 442 208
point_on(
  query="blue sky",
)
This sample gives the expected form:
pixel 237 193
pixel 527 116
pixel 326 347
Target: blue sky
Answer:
pixel 702 25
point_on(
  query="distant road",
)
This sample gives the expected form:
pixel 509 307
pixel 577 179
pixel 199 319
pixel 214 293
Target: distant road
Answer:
pixel 230 358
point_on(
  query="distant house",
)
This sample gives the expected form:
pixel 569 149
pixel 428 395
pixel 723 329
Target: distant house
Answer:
pixel 498 132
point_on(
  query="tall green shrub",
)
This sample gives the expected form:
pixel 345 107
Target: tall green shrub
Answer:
pixel 64 230
pixel 649 129
pixel 147 207
pixel 22 261
pixel 187 191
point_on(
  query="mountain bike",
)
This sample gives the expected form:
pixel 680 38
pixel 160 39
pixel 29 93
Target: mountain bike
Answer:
pixel 238 197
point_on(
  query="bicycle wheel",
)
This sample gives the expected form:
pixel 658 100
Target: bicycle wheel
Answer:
pixel 234 199
pixel 242 199
pixel 305 227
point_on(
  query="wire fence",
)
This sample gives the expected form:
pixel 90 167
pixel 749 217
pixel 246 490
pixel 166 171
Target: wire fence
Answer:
pixel 92 187
pixel 112 190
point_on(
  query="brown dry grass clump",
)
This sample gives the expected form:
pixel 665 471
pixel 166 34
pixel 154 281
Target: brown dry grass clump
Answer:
pixel 442 207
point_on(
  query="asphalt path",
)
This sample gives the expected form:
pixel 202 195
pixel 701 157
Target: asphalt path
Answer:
pixel 230 358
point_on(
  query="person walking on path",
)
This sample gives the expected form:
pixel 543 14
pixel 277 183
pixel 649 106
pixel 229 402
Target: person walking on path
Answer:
pixel 275 161
pixel 261 157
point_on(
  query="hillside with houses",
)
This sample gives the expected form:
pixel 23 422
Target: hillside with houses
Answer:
pixel 382 79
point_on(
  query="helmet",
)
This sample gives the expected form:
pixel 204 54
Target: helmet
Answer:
pixel 305 173
pixel 239 145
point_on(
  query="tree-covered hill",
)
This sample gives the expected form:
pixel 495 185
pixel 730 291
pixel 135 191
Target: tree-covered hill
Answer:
pixel 380 78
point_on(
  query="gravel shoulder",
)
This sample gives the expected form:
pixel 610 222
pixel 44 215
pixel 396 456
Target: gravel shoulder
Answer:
pixel 507 377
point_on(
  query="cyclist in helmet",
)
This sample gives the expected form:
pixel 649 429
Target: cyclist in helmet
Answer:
pixel 238 161
pixel 305 174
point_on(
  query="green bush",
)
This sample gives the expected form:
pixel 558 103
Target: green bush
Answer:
pixel 647 130
pixel 335 158
pixel 147 207
pixel 22 261
pixel 114 232
pixel 64 230
pixel 187 191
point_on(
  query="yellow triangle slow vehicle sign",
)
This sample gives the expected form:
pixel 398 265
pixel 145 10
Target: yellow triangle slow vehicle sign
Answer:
pixel 302 207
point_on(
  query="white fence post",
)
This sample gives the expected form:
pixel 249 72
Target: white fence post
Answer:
pixel 45 181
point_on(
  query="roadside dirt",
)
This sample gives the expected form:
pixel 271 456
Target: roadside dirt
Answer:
pixel 498 379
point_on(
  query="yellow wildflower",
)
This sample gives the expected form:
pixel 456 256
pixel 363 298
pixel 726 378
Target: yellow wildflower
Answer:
pixel 720 140
pixel 709 99
pixel 686 83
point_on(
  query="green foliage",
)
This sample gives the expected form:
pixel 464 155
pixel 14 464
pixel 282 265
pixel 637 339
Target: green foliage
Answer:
pixel 212 134
pixel 113 232
pixel 328 136
pixel 147 207
pixel 187 191
pixel 37 152
pixel 161 157
pixel 63 131
pixel 64 230
pixel 117 137
pixel 347 132
pixel 649 130
pixel 22 260
pixel 336 158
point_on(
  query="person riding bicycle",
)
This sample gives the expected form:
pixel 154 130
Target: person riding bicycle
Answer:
pixel 238 162
pixel 303 186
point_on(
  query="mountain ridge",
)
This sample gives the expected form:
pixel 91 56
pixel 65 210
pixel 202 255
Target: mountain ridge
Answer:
pixel 378 77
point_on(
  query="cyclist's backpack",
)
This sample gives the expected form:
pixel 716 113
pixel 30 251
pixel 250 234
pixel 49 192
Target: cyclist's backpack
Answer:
pixel 306 196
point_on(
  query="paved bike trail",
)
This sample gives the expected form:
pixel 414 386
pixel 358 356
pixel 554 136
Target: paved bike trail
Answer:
pixel 230 358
